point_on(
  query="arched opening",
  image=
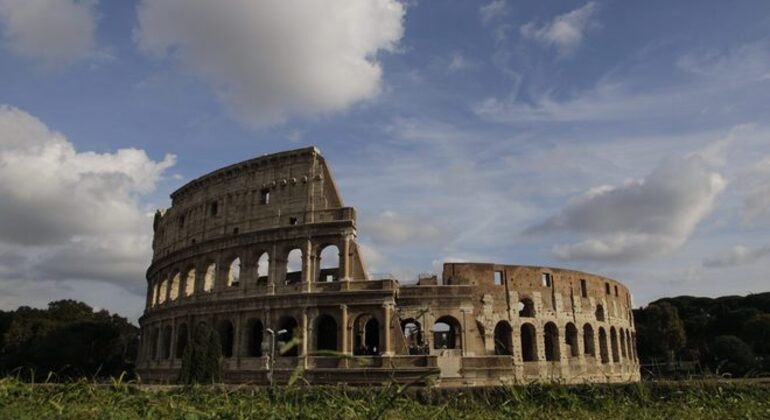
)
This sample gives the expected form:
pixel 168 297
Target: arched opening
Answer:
pixel 571 338
pixel 623 343
pixel 600 313
pixel 263 268
pixel 173 294
pixel 287 328
pixel 182 337
pixel 255 332
pixel 588 340
pixel 226 337
pixel 503 339
pixel 367 335
pixel 415 343
pixel 526 308
pixel 330 263
pixel 294 266
pixel 189 283
pixel 326 333
pixel 162 291
pixel 209 277
pixel 166 353
pixel 614 344
pixel 234 273
pixel 528 343
pixel 551 336
pixel 603 346
pixel 446 333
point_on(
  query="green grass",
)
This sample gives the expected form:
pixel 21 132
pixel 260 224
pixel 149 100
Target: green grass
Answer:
pixel 670 400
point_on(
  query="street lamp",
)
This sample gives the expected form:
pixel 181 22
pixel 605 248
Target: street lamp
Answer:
pixel 271 358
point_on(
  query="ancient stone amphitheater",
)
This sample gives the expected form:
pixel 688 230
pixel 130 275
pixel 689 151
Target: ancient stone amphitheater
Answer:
pixel 265 252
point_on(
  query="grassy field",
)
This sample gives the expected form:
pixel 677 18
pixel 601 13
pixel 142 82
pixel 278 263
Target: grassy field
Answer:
pixel 672 400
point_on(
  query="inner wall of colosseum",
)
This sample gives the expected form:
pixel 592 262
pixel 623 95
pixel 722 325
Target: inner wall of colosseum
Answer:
pixel 265 252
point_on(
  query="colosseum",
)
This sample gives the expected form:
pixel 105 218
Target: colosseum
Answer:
pixel 265 252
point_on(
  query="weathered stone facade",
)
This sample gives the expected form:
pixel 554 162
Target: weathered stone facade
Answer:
pixel 223 255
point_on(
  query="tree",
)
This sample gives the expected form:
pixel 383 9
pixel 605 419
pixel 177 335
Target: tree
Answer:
pixel 757 333
pixel 732 355
pixel 201 360
pixel 660 330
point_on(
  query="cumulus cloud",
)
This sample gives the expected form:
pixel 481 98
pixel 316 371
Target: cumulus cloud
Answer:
pixel 390 227
pixel 70 214
pixel 55 32
pixel 739 255
pixel 641 218
pixel 267 60
pixel 565 32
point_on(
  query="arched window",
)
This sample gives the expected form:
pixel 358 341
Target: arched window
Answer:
pixel 226 337
pixel 551 335
pixel 528 343
pixel 255 332
pixel 571 338
pixel 614 344
pixel 600 313
pixel 366 335
pixel 166 354
pixel 588 340
pixel 209 277
pixel 294 266
pixel 182 337
pixel 263 268
pixel 446 333
pixel 526 308
pixel 413 336
pixel 603 346
pixel 234 273
pixel 173 293
pixel 326 333
pixel 287 328
pixel 503 339
pixel 162 291
pixel 189 283
pixel 330 263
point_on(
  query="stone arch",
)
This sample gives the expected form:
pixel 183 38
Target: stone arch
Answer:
pixel 413 335
pixel 326 333
pixel 526 308
pixel 528 342
pixel 367 335
pixel 622 339
pixel 551 341
pixel 255 332
pixel 329 263
pixel 263 268
pixel 503 339
pixel 166 343
pixel 182 338
pixel 447 333
pixel 294 266
pixel 605 354
pixel 571 339
pixel 600 313
pixel 234 272
pixel 209 277
pixel 176 280
pixel 287 331
pixel 189 282
pixel 226 333
pixel 588 340
pixel 614 345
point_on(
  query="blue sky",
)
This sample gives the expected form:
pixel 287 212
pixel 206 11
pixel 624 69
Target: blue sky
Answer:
pixel 629 139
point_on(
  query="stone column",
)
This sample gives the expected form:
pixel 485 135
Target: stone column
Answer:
pixel 307 265
pixel 344 260
pixel 305 337
pixel 388 309
pixel 272 269
pixel 345 345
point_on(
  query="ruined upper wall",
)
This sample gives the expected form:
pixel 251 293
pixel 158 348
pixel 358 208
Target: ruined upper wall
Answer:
pixel 278 190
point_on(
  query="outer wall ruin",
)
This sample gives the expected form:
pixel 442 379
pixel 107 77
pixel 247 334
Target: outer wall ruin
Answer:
pixel 267 245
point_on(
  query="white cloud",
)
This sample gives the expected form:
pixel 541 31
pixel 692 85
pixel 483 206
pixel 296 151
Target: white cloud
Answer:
pixel 565 32
pixel 756 186
pixel 72 215
pixel 493 10
pixel 739 255
pixel 268 60
pixel 390 227
pixel 641 218
pixel 55 32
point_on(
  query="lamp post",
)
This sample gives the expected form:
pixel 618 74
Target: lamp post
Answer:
pixel 271 360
